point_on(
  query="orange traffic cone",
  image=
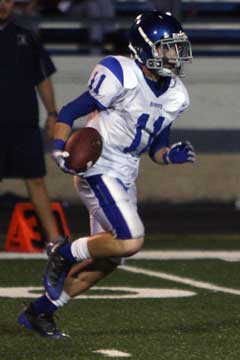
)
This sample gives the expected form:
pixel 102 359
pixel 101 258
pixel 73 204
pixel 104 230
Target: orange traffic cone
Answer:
pixel 25 233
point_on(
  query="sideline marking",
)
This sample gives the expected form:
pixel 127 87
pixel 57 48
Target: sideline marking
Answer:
pixel 182 280
pixel 128 293
pixel 231 255
pixel 228 255
pixel 112 353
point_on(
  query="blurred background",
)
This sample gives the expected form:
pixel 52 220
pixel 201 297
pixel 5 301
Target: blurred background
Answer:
pixel 201 198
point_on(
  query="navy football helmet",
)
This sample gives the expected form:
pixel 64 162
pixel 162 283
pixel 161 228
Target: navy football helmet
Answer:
pixel 158 41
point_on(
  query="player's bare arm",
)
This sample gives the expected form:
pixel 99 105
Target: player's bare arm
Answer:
pixel 158 157
pixel 62 131
pixel 46 92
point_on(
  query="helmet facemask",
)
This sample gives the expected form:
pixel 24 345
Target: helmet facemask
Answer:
pixel 169 55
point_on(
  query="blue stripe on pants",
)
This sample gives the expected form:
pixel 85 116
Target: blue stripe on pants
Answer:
pixel 109 207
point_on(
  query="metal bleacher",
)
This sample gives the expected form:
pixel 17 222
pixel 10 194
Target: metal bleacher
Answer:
pixel 213 27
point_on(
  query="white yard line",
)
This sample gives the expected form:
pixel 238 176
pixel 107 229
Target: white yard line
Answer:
pixel 182 280
pixel 22 256
pixel 112 353
pixel 149 255
pixel 231 255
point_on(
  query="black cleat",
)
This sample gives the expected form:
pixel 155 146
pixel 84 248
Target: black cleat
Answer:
pixel 56 271
pixel 43 324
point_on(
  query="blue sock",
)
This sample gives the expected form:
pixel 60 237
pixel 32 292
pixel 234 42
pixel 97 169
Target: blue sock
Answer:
pixel 66 252
pixel 43 305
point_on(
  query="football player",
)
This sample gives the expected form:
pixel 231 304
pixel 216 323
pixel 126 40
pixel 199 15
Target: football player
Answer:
pixel 135 101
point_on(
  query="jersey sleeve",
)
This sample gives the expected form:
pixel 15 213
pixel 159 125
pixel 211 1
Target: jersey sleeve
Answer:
pixel 79 107
pixel 106 82
pixel 44 66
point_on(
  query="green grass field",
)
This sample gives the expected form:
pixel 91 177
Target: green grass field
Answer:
pixel 182 305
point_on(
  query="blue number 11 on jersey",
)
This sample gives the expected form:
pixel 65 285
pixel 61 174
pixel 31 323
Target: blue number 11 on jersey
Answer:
pixel 135 146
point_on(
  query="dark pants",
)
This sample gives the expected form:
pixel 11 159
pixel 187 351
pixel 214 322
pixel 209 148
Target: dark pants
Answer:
pixel 21 153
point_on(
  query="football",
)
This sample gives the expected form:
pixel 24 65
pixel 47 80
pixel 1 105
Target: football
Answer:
pixel 85 147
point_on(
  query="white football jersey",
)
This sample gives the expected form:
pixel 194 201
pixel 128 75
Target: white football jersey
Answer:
pixel 132 114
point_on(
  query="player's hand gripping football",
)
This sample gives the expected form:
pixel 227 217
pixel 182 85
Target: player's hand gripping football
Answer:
pixel 60 157
pixel 180 153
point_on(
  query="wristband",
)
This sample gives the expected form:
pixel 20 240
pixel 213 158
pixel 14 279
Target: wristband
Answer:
pixel 53 113
pixel 58 144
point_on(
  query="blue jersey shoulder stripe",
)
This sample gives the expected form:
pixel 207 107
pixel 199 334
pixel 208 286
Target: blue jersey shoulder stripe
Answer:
pixel 114 66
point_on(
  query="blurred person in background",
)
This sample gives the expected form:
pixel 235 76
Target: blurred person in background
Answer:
pixel 25 14
pixel 42 7
pixel 172 6
pixel 25 66
pixel 49 7
pixel 101 14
